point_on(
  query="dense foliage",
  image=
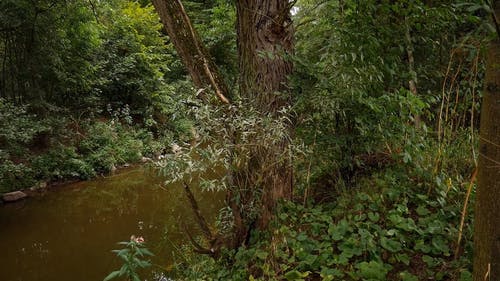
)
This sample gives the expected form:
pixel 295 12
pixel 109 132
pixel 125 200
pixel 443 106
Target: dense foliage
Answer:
pixel 353 74
pixel 83 89
pixel 395 224
pixel 385 107
pixel 384 175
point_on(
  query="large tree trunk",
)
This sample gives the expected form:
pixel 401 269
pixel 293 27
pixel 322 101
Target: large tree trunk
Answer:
pixel 487 205
pixel 265 41
pixel 265 38
pixel 188 45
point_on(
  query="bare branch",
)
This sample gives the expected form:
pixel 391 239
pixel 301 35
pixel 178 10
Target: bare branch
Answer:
pixel 202 223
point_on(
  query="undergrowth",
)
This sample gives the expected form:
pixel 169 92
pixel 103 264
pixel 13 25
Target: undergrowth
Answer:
pixel 71 150
pixel 397 223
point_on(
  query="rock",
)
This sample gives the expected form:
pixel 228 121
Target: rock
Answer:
pixel 146 159
pixel 42 184
pixel 176 149
pixel 13 196
pixel 157 155
pixel 113 168
pixel 126 165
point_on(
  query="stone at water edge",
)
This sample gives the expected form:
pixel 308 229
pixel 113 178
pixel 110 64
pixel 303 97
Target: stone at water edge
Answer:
pixel 13 196
pixel 146 159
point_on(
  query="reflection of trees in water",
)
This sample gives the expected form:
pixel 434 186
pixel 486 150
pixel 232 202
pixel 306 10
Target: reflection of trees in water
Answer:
pixel 90 217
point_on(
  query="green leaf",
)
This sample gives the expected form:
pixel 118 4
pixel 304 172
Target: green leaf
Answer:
pixel 372 270
pixel 147 252
pixel 302 237
pixel 329 274
pixel 422 211
pixel 261 254
pixel 421 245
pixel 112 275
pixel 390 245
pixel 465 276
pixel 404 258
pixel 429 261
pixel 337 232
pixel 405 276
pixel 374 217
pixel 439 244
pixel 295 275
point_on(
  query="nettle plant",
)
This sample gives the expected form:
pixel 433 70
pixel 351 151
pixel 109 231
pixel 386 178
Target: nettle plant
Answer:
pixel 227 140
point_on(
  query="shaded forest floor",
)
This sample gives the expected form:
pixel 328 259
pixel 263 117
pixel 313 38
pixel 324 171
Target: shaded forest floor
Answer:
pixel 401 222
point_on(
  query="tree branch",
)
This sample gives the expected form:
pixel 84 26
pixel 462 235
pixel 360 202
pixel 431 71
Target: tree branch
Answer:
pixel 202 223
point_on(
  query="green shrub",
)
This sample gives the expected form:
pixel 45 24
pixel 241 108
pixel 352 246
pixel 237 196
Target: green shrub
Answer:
pixel 110 143
pixel 17 127
pixel 14 176
pixel 61 163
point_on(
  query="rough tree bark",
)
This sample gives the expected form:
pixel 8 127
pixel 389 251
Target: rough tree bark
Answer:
pixel 487 205
pixel 191 50
pixel 265 40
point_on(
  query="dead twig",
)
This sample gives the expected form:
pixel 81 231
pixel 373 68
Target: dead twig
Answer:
pixel 464 211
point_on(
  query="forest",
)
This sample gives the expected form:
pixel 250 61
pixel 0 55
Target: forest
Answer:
pixel 348 139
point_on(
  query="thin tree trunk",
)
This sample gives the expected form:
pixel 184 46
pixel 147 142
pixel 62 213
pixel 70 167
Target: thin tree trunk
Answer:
pixel 411 67
pixel 188 45
pixel 487 205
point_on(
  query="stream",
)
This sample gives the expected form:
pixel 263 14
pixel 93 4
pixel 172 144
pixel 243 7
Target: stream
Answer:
pixel 67 233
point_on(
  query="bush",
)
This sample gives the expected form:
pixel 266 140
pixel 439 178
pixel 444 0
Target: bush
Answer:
pixel 17 127
pixel 14 176
pixel 61 163
pixel 111 143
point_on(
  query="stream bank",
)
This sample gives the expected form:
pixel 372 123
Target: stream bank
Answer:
pixel 68 232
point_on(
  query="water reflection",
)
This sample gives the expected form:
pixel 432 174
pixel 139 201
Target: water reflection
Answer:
pixel 67 234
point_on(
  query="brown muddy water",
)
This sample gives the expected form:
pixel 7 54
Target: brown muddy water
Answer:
pixel 67 234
